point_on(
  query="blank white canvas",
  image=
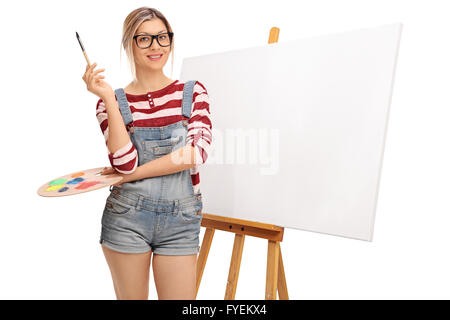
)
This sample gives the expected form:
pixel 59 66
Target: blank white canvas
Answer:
pixel 324 101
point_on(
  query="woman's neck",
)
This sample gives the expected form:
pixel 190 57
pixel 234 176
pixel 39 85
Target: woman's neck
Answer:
pixel 150 82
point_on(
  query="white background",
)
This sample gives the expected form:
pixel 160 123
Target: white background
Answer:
pixel 49 246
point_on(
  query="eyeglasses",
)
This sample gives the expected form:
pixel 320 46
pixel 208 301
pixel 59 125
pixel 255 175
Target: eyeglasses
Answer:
pixel 145 41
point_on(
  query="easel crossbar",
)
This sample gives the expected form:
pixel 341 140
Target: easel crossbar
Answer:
pixel 244 227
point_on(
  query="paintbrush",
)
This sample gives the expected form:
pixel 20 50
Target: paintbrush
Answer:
pixel 82 49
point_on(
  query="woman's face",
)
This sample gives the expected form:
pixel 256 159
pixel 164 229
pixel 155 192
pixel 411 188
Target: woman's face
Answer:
pixel 141 56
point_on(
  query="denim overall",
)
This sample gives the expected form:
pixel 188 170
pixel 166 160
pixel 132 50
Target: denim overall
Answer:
pixel 161 213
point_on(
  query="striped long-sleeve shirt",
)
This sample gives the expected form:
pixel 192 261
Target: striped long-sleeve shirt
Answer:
pixel 162 108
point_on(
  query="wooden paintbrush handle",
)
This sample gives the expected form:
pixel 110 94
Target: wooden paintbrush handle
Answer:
pixel 87 59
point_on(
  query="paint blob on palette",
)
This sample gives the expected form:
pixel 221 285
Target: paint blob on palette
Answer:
pixel 78 182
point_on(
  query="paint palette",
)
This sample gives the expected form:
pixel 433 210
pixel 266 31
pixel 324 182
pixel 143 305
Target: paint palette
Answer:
pixel 78 182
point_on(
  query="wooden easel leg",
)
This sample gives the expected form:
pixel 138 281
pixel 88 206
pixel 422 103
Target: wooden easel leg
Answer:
pixel 273 254
pixel 282 286
pixel 235 265
pixel 203 255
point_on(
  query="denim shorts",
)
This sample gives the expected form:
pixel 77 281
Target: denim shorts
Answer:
pixel 133 223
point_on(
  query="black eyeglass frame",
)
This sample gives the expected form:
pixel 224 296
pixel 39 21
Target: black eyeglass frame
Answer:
pixel 153 37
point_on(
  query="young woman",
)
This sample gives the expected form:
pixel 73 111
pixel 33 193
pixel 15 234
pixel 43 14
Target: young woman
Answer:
pixel 157 131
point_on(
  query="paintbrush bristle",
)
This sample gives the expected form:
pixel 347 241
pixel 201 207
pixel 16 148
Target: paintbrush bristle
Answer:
pixel 79 41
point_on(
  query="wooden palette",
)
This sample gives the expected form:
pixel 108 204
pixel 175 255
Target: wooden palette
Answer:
pixel 78 182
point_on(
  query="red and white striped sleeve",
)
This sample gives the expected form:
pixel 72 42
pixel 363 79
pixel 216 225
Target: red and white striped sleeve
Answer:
pixel 125 159
pixel 199 133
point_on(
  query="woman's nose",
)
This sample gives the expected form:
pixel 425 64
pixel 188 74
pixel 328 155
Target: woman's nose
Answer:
pixel 155 44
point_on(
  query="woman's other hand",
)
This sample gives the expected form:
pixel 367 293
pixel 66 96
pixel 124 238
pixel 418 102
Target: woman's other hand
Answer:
pixel 94 83
pixel 108 170
pixel 125 177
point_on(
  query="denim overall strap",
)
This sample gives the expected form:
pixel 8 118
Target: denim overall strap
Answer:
pixel 188 94
pixel 123 106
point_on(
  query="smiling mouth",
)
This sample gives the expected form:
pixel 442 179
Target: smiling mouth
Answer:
pixel 154 57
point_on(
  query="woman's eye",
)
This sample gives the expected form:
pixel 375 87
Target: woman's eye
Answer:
pixel 162 37
pixel 144 38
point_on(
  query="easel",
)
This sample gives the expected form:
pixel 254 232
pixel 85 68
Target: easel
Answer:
pixel 275 277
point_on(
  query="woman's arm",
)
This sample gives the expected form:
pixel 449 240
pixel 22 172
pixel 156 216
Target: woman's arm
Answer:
pixel 179 160
pixel 199 133
pixel 118 135
pixel 176 161
pixel 122 153
pixel 121 150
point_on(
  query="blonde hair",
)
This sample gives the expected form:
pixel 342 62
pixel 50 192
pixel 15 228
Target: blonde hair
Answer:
pixel 131 24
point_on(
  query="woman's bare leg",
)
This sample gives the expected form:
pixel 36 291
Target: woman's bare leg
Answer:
pixel 175 276
pixel 130 273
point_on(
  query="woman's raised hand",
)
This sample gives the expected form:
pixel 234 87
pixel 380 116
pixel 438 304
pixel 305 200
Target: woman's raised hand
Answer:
pixel 94 83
